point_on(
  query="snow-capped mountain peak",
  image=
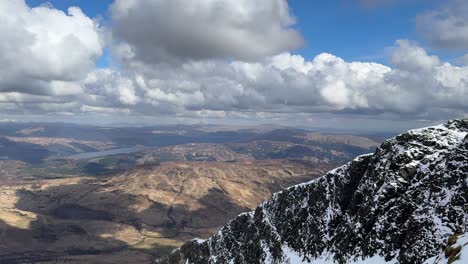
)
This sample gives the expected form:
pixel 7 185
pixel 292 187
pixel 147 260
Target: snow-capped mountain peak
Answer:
pixel 398 205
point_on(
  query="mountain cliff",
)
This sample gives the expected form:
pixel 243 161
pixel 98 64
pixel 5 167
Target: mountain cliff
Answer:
pixel 398 205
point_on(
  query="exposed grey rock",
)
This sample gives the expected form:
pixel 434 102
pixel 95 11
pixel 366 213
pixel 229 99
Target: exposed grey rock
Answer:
pixel 399 205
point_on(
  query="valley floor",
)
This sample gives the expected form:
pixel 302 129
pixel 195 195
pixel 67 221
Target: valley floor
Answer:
pixel 136 215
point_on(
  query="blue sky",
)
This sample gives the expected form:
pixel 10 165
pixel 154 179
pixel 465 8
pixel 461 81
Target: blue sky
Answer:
pixel 354 31
pixel 346 28
pixel 363 63
pixel 92 8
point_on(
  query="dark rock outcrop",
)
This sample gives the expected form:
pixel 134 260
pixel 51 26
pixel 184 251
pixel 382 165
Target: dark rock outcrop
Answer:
pixel 398 205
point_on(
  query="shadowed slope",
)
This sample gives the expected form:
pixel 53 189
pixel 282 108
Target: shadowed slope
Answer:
pixel 398 205
pixel 146 210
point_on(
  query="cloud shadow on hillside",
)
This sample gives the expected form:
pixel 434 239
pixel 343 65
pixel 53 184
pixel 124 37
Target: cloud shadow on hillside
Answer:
pixel 64 216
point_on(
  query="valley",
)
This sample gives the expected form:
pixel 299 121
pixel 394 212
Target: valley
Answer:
pixel 147 210
pixel 133 196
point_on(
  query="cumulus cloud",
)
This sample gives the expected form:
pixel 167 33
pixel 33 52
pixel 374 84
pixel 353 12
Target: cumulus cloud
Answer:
pixel 412 58
pixel 105 86
pixel 44 56
pixel 447 27
pixel 417 85
pixel 158 30
pixel 44 51
pixel 233 68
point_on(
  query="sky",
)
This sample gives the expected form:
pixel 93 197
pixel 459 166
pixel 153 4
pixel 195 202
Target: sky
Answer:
pixel 341 64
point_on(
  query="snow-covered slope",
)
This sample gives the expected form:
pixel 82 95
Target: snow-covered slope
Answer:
pixel 455 252
pixel 398 205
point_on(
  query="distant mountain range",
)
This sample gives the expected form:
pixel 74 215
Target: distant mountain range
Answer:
pixel 44 151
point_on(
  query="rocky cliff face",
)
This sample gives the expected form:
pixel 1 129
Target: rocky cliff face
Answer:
pixel 398 205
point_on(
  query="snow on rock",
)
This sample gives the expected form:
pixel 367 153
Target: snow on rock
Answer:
pixel 398 205
pixel 455 252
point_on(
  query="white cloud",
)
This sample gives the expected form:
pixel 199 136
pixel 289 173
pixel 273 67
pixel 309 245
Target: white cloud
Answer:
pixel 156 30
pixel 110 87
pixel 447 27
pixel 418 84
pixel 43 50
pixel 47 66
pixel 413 58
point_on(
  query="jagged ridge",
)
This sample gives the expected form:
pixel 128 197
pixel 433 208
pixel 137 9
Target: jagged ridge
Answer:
pixel 399 205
